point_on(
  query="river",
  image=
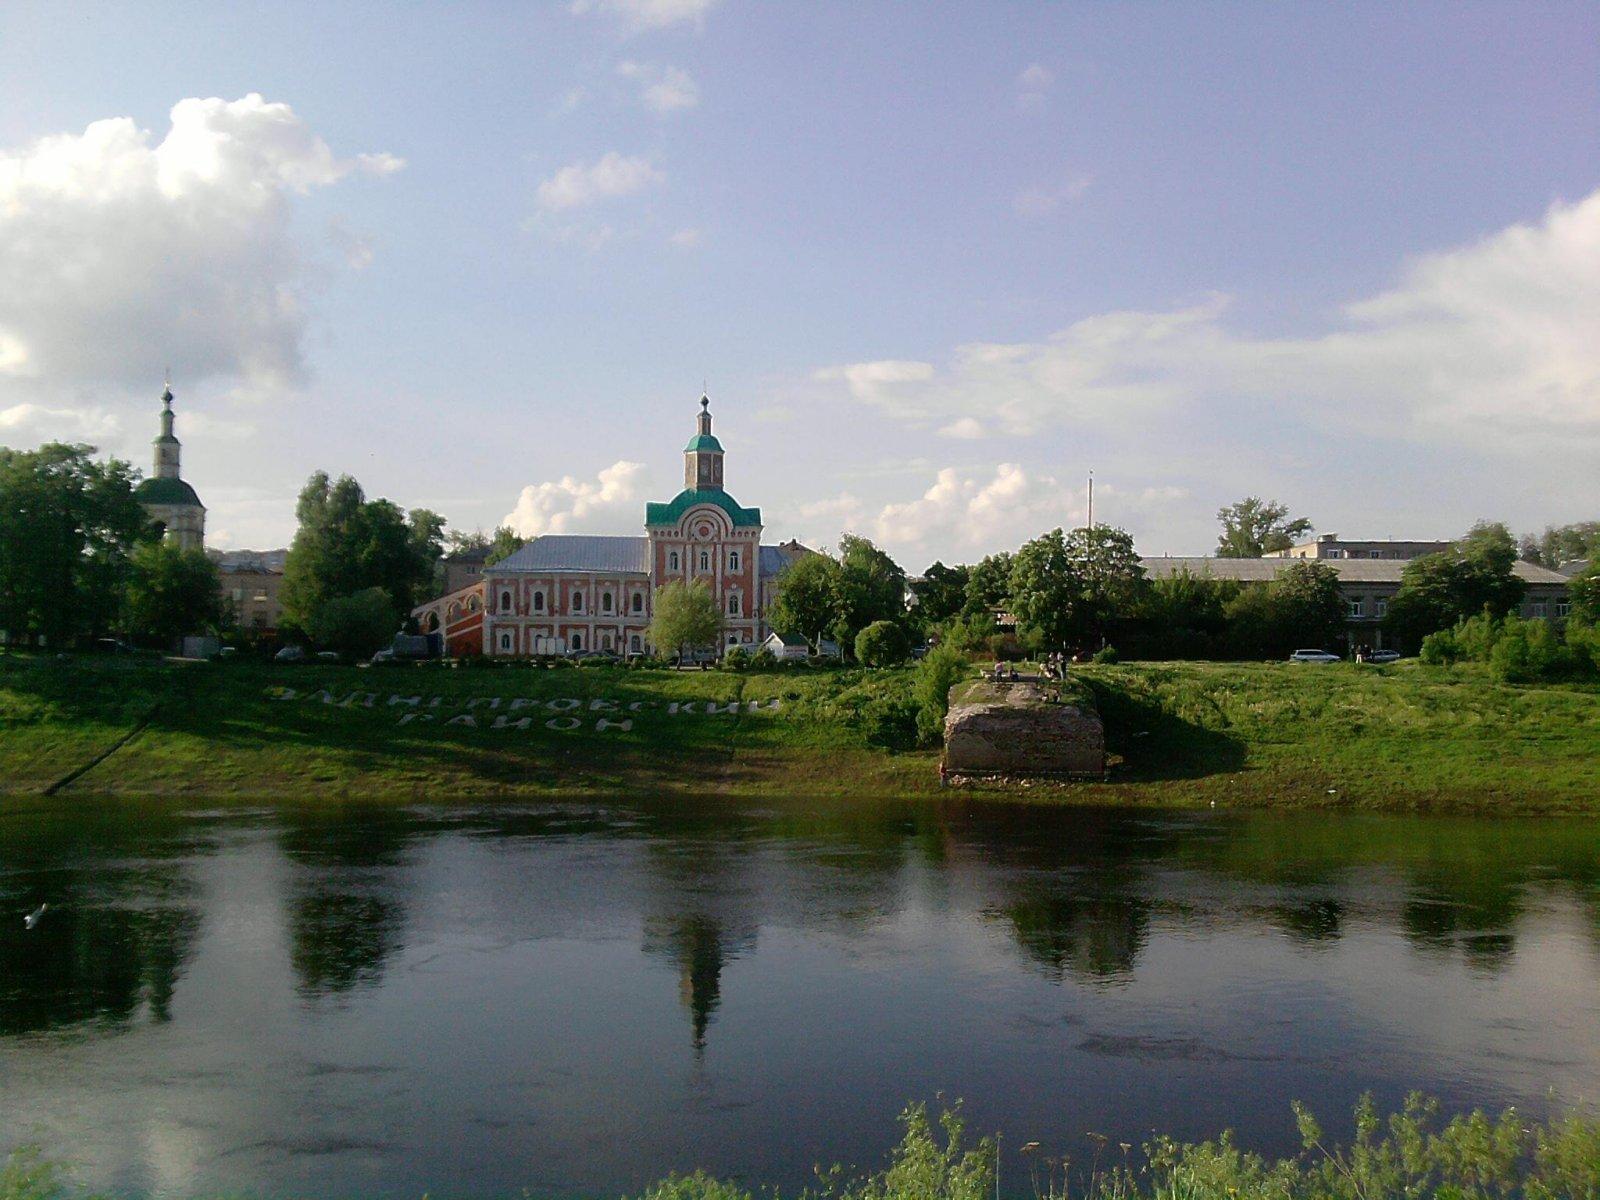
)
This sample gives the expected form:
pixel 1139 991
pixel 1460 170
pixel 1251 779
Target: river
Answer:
pixel 330 1001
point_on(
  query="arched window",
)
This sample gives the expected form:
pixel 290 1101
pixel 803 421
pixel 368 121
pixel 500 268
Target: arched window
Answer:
pixel 577 641
pixel 638 602
pixel 733 605
pixel 705 560
pixel 733 560
pixel 577 601
pixel 505 601
pixel 605 602
pixel 538 602
pixel 633 643
pixel 505 643
pixel 455 610
pixel 431 623
pixel 472 604
pixel 605 642
pixel 672 560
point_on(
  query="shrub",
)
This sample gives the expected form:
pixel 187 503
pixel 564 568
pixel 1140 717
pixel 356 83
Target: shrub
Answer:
pixel 763 659
pixel 938 672
pixel 1528 651
pixel 882 644
pixel 1440 649
pixel 356 625
pixel 737 658
pixel 1106 654
pixel 891 722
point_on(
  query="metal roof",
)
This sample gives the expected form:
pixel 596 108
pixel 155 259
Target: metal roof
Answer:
pixel 672 510
pixel 703 441
pixel 580 552
pixel 159 490
pixel 1351 570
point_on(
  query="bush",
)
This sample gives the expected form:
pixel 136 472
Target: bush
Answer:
pixel 1527 652
pixel 763 659
pixel 882 644
pixel 737 658
pixel 1106 655
pixel 891 722
pixel 938 672
pixel 355 626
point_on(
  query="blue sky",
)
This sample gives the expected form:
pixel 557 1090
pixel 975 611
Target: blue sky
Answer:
pixel 933 262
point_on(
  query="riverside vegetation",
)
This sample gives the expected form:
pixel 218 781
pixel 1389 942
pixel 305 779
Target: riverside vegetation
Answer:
pixel 1410 1154
pixel 1404 737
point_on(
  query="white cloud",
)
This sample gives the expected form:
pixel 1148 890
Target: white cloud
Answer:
pixel 1041 202
pixel 35 423
pixel 662 89
pixel 966 429
pixel 966 510
pixel 1491 344
pixel 607 178
pixel 567 503
pixel 687 238
pixel 638 16
pixel 120 254
pixel 1032 85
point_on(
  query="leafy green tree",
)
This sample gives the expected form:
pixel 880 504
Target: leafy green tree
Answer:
pixel 170 593
pixel 941 594
pixel 1112 583
pixel 940 669
pixel 806 602
pixel 347 544
pixel 1584 593
pixel 1564 543
pixel 504 544
pixel 1046 582
pixel 988 585
pixel 1437 590
pixel 871 587
pixel 356 625
pixel 67 526
pixel 882 644
pixel 1252 527
pixel 685 617
pixel 1302 607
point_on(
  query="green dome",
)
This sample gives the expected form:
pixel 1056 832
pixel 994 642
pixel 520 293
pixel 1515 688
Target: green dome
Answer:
pixel 166 491
pixel 703 441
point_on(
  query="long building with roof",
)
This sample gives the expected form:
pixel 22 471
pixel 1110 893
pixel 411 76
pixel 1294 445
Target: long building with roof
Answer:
pixel 577 593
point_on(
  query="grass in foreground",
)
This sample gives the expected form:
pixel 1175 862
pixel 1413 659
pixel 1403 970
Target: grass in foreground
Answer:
pixel 1407 737
pixel 1410 1154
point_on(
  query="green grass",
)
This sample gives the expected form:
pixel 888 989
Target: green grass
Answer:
pixel 1407 737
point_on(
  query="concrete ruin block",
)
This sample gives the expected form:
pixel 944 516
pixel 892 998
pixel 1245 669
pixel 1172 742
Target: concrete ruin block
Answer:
pixel 1023 728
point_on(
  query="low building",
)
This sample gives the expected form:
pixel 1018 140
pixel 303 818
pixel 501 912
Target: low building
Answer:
pixel 786 647
pixel 1366 584
pixel 456 616
pixel 250 581
pixel 463 569
pixel 1331 546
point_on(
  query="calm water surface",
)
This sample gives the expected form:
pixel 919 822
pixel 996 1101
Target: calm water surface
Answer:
pixel 580 998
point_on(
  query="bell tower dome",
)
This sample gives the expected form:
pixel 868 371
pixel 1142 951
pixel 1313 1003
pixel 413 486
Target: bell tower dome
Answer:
pixel 702 457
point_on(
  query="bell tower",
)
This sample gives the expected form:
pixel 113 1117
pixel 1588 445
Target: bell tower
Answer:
pixel 702 457
pixel 167 445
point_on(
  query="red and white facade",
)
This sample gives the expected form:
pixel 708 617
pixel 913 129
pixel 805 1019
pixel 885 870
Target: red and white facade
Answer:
pixel 577 593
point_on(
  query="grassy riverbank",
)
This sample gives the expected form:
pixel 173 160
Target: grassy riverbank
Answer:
pixel 1411 1153
pixel 1406 737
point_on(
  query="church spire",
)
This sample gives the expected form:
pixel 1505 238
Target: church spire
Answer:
pixel 167 445
pixel 702 457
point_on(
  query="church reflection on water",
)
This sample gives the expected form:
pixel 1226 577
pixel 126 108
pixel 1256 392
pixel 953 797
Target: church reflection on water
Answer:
pixel 1077 896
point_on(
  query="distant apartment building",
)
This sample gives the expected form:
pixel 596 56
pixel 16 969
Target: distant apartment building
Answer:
pixel 250 580
pixel 1331 546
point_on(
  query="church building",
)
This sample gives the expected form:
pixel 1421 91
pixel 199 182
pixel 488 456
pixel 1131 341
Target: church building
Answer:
pixel 170 502
pixel 575 593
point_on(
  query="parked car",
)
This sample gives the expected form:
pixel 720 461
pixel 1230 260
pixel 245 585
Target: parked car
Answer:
pixel 385 655
pixel 290 654
pixel 331 656
pixel 1314 656
pixel 1384 656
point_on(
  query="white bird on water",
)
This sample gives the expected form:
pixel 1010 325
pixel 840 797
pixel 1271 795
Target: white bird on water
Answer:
pixel 33 918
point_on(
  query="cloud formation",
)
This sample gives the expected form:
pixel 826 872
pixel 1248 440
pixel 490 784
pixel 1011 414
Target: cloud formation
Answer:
pixel 661 89
pixel 1032 85
pixel 587 505
pixel 120 254
pixel 639 16
pixel 966 509
pixel 609 177
pixel 1491 344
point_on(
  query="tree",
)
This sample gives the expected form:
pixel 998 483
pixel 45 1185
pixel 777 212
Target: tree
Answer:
pixel 1301 607
pixel 941 594
pixel 1111 581
pixel 1045 585
pixel 356 625
pixel 347 544
pixel 1564 543
pixel 1584 593
pixel 806 603
pixel 170 592
pixel 938 671
pixel 67 526
pixel 988 585
pixel 882 644
pixel 1438 590
pixel 1252 527
pixel 504 544
pixel 686 616
pixel 871 587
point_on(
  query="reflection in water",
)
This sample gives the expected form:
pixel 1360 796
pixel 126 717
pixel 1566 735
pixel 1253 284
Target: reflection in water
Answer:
pixel 232 977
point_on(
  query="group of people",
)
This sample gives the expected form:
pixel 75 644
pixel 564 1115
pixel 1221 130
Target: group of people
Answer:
pixel 1052 666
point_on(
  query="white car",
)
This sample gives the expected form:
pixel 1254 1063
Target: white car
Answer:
pixel 1318 656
